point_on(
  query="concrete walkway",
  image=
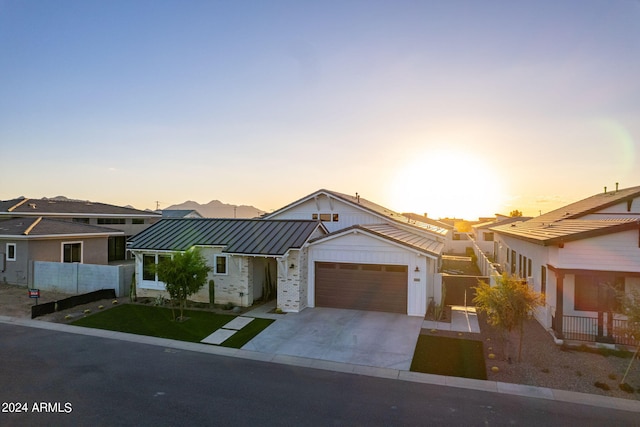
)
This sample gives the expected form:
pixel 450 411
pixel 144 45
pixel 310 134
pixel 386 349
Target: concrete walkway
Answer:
pixel 463 319
pixel 389 373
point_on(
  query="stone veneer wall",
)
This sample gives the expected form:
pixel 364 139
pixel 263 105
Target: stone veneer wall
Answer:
pixel 289 283
pixel 239 278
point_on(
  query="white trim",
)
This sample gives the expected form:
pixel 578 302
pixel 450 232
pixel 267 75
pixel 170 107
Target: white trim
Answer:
pixel 62 245
pixel 372 235
pixel 15 253
pixel 61 236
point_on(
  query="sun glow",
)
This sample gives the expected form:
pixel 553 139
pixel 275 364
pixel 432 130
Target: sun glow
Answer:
pixel 448 183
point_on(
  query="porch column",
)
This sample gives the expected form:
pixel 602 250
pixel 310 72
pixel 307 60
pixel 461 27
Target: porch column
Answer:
pixel 559 304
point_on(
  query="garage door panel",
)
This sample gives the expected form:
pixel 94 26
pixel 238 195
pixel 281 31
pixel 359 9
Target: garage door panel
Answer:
pixel 373 287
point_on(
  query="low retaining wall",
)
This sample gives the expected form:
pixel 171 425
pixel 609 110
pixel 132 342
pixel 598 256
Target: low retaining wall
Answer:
pixel 64 304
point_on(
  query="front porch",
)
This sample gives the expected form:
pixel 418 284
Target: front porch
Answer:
pixel 602 329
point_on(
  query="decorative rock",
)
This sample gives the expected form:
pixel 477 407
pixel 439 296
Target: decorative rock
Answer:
pixel 494 369
pixel 492 356
pixel 236 309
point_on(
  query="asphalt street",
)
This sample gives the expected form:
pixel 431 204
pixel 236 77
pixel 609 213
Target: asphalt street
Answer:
pixel 58 378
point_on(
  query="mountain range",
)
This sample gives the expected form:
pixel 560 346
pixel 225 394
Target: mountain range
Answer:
pixel 217 209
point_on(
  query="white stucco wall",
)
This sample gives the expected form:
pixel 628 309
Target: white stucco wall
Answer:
pixel 358 247
pixel 348 215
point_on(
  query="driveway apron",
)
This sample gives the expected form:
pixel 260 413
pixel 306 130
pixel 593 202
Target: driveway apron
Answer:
pixel 368 338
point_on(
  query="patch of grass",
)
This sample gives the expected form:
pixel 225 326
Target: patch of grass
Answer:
pixel 157 322
pixel 245 334
pixel 449 356
pixel 603 386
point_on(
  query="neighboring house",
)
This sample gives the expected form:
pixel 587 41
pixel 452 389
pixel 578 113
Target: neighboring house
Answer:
pixel 128 220
pixel 241 253
pixel 373 259
pixel 180 213
pixel 576 256
pixel 29 239
pixel 484 236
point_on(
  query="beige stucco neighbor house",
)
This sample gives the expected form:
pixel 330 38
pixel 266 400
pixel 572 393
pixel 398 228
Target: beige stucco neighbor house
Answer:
pixel 372 259
pixel 24 241
pixel 578 256
pixel 128 221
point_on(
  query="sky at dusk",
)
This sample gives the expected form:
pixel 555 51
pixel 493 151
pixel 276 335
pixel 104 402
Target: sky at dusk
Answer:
pixel 450 108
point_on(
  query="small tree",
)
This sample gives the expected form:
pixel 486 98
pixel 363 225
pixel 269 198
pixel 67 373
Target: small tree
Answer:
pixel 184 275
pixel 508 304
pixel 630 307
pixel 515 213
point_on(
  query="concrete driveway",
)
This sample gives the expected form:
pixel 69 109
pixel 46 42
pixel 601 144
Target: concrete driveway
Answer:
pixel 350 336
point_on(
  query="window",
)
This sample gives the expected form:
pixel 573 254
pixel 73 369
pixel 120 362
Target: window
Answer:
pixel 513 262
pixel 488 236
pixel 529 269
pixel 11 251
pixel 148 264
pixel 597 293
pixel 117 248
pixel 111 221
pixel 221 264
pixel 72 252
pixel 137 221
pixel 326 217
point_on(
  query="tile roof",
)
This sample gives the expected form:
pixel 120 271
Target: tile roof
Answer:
pixel 554 232
pixel 39 227
pixel 591 204
pixel 369 206
pixel 242 236
pixel 401 235
pixel 50 207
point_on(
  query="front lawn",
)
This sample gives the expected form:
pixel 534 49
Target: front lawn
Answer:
pixel 157 322
pixel 449 356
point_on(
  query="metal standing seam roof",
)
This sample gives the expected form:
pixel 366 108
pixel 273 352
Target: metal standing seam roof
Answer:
pixel 590 204
pixel 39 226
pixel 241 236
pixel 396 234
pixel 553 232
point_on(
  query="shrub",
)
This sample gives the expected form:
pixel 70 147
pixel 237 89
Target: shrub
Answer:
pixel 626 387
pixel 603 386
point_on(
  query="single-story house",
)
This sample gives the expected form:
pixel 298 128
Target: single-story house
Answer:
pixel 578 256
pixel 246 256
pixel 373 258
pixel 29 239
pixel 484 236
pixel 180 213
